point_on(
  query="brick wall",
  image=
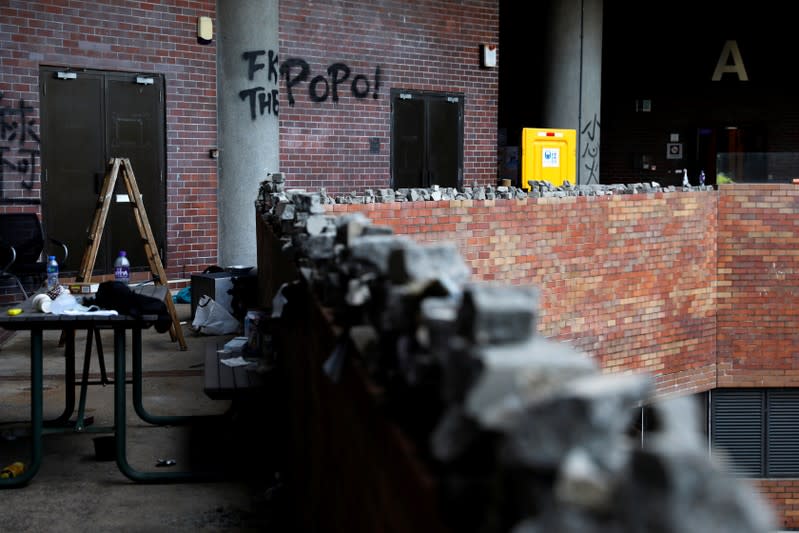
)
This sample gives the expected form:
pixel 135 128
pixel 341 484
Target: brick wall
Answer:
pixel 627 279
pixel 758 316
pixel 419 45
pixel 698 289
pixel 148 37
pixel 758 286
pixel 783 495
pixel 631 279
pixel 424 46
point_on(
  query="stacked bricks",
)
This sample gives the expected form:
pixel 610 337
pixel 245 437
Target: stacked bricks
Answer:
pixel 476 365
pixel 698 288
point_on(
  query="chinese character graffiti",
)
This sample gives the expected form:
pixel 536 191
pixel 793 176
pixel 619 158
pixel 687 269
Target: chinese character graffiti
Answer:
pixel 19 146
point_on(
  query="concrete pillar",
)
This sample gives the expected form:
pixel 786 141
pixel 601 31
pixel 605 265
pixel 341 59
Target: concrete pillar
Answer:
pixel 248 133
pixel 574 81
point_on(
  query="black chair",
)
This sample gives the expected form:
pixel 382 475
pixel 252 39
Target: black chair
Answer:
pixel 23 254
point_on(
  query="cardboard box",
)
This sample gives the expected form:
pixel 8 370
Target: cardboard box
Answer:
pixel 84 287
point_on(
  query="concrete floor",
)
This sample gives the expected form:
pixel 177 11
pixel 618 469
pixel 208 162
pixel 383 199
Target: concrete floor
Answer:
pixel 74 491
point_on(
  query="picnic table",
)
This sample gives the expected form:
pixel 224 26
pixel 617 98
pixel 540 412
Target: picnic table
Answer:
pixel 36 323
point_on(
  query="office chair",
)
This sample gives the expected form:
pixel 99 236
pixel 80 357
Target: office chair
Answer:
pixel 23 254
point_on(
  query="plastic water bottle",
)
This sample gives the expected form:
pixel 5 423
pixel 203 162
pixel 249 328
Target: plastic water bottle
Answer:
pixel 122 268
pixel 52 272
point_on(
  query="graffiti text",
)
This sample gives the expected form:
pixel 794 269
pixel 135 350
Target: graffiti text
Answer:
pixel 261 99
pixel 590 154
pixel 296 71
pixel 19 144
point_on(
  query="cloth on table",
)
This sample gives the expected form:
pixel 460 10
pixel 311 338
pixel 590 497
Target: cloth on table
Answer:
pixel 118 296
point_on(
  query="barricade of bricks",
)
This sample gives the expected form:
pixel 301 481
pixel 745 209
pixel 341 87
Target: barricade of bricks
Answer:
pixel 526 434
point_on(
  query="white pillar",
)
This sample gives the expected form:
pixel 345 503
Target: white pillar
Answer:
pixel 247 110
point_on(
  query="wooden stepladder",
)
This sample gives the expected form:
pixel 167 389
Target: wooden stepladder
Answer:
pixel 151 250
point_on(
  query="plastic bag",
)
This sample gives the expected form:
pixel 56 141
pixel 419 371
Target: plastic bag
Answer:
pixel 210 318
pixel 64 301
pixel 183 296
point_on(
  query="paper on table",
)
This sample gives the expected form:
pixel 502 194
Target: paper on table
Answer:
pixel 91 310
pixel 236 361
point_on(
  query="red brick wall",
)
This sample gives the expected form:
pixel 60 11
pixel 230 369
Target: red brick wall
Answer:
pixel 418 45
pixel 783 495
pixel 758 315
pixel 758 286
pixel 627 279
pixel 148 37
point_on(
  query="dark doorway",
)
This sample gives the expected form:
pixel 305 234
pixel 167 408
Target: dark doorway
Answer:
pixel 736 152
pixel 88 117
pixel 426 139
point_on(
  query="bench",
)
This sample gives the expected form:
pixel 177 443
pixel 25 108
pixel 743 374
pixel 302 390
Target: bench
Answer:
pixel 223 382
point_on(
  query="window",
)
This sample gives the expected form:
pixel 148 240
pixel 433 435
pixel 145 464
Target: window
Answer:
pixel 758 429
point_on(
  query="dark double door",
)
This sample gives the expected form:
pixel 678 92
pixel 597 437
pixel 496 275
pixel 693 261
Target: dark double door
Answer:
pixel 426 139
pixel 87 118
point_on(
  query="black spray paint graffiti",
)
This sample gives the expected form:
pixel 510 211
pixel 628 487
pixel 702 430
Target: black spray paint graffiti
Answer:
pixel 296 71
pixel 590 153
pixel 19 143
pixel 266 100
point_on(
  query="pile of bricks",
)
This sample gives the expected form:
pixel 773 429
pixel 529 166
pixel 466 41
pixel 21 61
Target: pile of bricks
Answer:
pixel 525 434
pixel 537 189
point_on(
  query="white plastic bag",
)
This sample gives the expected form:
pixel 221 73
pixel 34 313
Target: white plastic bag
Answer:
pixel 210 318
pixel 63 302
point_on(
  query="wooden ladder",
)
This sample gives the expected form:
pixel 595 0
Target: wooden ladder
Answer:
pixel 151 250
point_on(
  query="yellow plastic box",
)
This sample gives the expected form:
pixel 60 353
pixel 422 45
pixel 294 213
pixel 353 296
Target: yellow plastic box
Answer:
pixel 549 155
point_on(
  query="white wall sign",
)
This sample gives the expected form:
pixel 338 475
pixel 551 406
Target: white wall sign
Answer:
pixel 550 157
pixel 673 150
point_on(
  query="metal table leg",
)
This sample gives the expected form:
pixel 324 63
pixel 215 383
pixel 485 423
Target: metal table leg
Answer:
pixel 138 405
pixel 36 415
pixel 68 338
pixel 84 381
pixel 120 420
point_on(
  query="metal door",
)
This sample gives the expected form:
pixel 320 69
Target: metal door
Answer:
pixel 73 156
pixel 427 139
pixel 87 118
pixel 444 131
pixel 134 130
pixel 408 141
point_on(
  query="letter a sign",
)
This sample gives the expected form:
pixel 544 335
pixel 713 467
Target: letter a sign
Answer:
pixel 724 65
